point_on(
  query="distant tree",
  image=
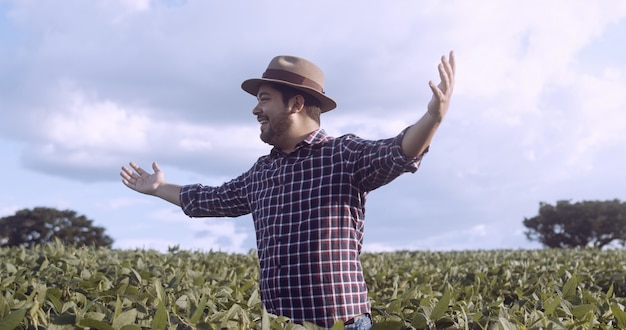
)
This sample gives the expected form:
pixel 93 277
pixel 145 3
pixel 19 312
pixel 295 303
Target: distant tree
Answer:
pixel 581 224
pixel 42 225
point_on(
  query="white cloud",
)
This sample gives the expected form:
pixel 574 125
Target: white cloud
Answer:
pixel 83 122
pixel 602 119
pixel 475 237
pixel 81 130
pixel 137 5
pixel 91 85
pixel 512 52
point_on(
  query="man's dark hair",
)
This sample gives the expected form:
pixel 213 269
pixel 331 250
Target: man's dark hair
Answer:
pixel 312 106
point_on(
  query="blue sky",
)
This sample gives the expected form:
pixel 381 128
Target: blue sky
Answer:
pixel 537 116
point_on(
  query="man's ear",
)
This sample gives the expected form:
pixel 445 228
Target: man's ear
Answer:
pixel 296 103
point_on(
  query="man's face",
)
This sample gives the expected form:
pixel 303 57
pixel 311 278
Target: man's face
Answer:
pixel 273 115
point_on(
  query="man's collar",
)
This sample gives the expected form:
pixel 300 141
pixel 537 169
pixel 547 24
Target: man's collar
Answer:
pixel 315 137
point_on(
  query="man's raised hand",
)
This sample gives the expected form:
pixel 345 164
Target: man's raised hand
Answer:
pixel 139 180
pixel 439 103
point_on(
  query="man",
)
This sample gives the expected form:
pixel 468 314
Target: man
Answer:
pixel 307 196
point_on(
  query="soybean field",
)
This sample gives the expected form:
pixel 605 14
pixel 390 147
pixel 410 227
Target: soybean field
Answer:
pixel 57 287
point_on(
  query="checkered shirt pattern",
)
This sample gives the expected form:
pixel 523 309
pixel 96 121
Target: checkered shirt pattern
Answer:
pixel 308 208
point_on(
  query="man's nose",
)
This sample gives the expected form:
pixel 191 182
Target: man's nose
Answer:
pixel 256 110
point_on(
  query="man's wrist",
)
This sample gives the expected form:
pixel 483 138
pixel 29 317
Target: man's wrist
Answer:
pixel 435 117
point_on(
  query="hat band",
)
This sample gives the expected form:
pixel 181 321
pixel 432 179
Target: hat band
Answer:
pixel 293 78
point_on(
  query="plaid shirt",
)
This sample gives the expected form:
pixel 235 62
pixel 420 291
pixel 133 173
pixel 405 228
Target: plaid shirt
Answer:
pixel 308 209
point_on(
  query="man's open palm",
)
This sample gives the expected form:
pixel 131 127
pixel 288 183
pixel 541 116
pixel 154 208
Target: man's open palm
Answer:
pixel 139 180
pixel 438 105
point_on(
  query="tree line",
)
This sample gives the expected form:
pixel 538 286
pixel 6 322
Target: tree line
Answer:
pixel 43 224
pixel 581 224
pixel 595 224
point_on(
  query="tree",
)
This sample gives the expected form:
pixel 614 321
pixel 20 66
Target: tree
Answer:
pixel 581 224
pixel 41 225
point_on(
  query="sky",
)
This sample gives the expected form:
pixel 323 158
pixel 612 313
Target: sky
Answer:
pixel 538 112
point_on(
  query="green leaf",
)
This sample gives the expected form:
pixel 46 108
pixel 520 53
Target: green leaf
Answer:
pixel 51 295
pixel 338 325
pixel 159 291
pixel 118 307
pixel 441 307
pixel 388 325
pixel 395 307
pixel 569 289
pixel 92 323
pixel 11 269
pixel 265 319
pixel 12 320
pixel 131 327
pixel 137 276
pixel 195 317
pixel 580 311
pixel 551 305
pixel 619 315
pixel 160 318
pixel 419 321
pixel 235 309
pixel 506 324
pixel 125 318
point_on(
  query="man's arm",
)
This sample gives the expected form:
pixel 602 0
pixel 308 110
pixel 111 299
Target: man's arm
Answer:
pixel 150 184
pixel 418 137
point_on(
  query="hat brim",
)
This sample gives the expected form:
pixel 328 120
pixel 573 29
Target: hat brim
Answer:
pixel 252 87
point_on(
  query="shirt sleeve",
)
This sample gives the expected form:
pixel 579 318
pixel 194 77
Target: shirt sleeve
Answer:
pixel 227 200
pixel 376 163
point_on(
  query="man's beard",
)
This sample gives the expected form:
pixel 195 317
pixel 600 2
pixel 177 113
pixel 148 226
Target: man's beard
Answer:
pixel 277 128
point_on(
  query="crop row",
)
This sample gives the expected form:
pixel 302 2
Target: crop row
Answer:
pixel 58 287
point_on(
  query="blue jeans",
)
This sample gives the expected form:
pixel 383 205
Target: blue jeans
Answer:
pixel 360 323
